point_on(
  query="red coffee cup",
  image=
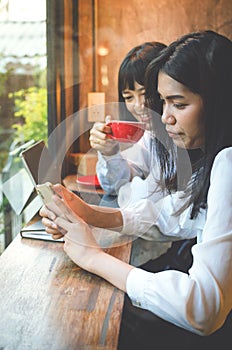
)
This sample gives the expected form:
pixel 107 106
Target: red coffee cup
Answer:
pixel 126 131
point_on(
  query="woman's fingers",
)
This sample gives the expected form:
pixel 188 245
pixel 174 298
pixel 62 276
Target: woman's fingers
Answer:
pixel 97 131
pixel 78 232
pixel 108 119
pixel 67 211
pixel 70 198
pixel 72 201
pixel 45 212
pixel 62 200
pixel 98 137
pixel 57 236
pixel 52 228
pixel 49 223
pixel 101 135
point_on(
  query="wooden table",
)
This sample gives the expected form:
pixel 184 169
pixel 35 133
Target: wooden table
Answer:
pixel 48 303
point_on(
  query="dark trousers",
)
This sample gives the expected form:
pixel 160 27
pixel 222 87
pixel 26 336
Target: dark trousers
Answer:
pixel 141 329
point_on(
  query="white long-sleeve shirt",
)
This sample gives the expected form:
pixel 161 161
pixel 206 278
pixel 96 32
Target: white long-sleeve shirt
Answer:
pixel 201 300
pixel 114 174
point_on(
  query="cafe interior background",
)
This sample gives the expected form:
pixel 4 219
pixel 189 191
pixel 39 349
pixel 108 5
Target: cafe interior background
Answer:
pixel 54 53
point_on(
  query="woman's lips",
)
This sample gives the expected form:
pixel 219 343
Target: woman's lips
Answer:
pixel 174 135
pixel 144 118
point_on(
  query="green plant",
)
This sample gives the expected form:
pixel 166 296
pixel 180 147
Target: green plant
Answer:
pixel 30 113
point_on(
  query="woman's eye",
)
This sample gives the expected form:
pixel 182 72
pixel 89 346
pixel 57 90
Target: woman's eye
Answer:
pixel 179 105
pixel 128 98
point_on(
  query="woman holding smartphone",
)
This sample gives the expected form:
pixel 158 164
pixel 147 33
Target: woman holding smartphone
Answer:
pixel 193 77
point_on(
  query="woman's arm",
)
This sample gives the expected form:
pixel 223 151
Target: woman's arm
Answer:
pixel 103 217
pixel 98 262
pixel 112 172
pixel 84 250
pixel 198 301
pixel 116 170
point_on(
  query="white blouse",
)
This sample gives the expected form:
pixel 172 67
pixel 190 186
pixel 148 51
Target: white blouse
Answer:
pixel 114 174
pixel 200 300
pixel 116 170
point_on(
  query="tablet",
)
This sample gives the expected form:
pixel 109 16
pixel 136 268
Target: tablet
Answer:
pixel 41 168
pixel 40 165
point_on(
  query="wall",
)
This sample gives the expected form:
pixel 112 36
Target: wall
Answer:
pixel 121 24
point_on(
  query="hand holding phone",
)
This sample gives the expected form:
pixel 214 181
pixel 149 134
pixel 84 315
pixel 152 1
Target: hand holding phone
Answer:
pixel 46 193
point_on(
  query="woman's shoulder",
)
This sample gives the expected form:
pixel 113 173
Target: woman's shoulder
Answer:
pixel 223 162
pixel 224 155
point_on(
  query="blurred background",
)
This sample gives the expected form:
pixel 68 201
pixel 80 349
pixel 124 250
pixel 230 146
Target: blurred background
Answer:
pixel 54 53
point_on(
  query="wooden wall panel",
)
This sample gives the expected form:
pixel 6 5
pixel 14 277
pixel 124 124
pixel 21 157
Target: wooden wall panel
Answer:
pixel 123 24
pixel 86 49
pixel 68 57
pixel 89 38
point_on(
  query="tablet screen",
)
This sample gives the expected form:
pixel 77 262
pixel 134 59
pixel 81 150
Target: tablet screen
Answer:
pixel 40 164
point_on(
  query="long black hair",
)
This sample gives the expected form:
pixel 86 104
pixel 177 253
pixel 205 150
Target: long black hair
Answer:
pixel 202 61
pixel 133 68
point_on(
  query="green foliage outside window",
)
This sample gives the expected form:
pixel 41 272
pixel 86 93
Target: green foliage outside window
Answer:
pixel 30 113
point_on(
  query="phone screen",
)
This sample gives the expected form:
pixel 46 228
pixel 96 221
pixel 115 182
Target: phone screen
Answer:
pixel 45 191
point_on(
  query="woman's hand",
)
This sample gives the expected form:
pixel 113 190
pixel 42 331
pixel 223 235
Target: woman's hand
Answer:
pixel 74 202
pixel 80 244
pixel 48 218
pixel 51 210
pixel 104 217
pixel 100 141
pixel 82 248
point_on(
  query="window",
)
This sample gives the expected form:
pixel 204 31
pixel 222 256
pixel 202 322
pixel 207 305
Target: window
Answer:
pixel 23 94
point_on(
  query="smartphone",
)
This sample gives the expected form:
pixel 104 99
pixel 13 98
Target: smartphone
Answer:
pixel 45 192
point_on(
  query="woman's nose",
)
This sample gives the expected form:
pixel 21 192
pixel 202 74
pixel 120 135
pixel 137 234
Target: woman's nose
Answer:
pixel 167 117
pixel 139 103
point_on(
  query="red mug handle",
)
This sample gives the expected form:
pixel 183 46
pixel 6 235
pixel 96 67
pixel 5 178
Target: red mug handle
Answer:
pixel 110 136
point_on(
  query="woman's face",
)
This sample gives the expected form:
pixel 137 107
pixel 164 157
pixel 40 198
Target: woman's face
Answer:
pixel 182 113
pixel 134 100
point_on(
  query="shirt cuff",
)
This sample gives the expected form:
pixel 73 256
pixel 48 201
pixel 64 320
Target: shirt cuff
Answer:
pixel 135 283
pixel 114 156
